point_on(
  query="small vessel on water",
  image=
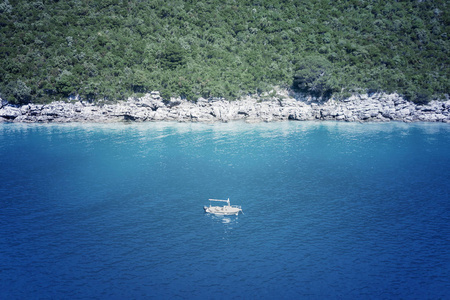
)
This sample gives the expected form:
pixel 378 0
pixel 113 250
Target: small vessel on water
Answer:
pixel 223 210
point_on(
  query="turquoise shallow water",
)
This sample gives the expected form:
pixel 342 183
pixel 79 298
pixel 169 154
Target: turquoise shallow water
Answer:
pixel 331 210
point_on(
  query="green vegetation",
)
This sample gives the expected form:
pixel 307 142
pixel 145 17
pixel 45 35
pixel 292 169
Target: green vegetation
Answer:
pixel 111 49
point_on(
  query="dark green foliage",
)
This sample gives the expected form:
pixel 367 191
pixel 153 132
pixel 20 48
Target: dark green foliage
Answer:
pixel 172 57
pixel 18 92
pixel 314 75
pixel 65 83
pixel 112 49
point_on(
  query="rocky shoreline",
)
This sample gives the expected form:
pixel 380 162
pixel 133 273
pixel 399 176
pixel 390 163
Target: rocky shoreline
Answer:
pixel 279 105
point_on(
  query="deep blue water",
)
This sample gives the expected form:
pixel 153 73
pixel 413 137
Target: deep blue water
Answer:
pixel 331 210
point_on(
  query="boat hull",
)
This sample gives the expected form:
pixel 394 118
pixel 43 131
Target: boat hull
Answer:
pixel 222 210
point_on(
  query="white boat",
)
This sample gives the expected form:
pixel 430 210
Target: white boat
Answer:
pixel 223 210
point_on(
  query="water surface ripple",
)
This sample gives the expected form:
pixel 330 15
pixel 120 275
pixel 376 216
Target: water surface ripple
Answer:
pixel 331 210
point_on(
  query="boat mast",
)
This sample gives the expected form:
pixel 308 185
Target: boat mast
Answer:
pixel 227 201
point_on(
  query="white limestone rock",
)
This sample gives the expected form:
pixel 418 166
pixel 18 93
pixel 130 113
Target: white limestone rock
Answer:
pixel 9 112
pixel 278 105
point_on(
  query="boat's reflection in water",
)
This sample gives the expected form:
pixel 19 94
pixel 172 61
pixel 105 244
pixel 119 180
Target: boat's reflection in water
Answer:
pixel 228 223
pixel 226 220
pixel 229 220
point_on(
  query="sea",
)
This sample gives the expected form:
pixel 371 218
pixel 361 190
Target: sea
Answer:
pixel 330 211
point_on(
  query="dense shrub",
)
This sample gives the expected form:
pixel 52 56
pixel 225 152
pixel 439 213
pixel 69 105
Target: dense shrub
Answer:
pixel 314 75
pixel 112 49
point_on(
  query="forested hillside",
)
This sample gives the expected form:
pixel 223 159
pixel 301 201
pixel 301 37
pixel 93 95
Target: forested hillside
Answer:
pixel 222 48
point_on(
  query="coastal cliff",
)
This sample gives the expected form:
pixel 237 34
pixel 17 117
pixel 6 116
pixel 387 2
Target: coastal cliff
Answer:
pixel 279 105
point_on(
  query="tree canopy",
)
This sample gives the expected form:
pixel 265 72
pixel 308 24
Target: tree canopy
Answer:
pixel 111 49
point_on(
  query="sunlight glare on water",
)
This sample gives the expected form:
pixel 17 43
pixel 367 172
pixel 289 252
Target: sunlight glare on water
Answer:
pixel 331 210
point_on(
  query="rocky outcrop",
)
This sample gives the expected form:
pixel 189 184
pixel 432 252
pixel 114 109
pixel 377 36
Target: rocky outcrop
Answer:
pixel 278 106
